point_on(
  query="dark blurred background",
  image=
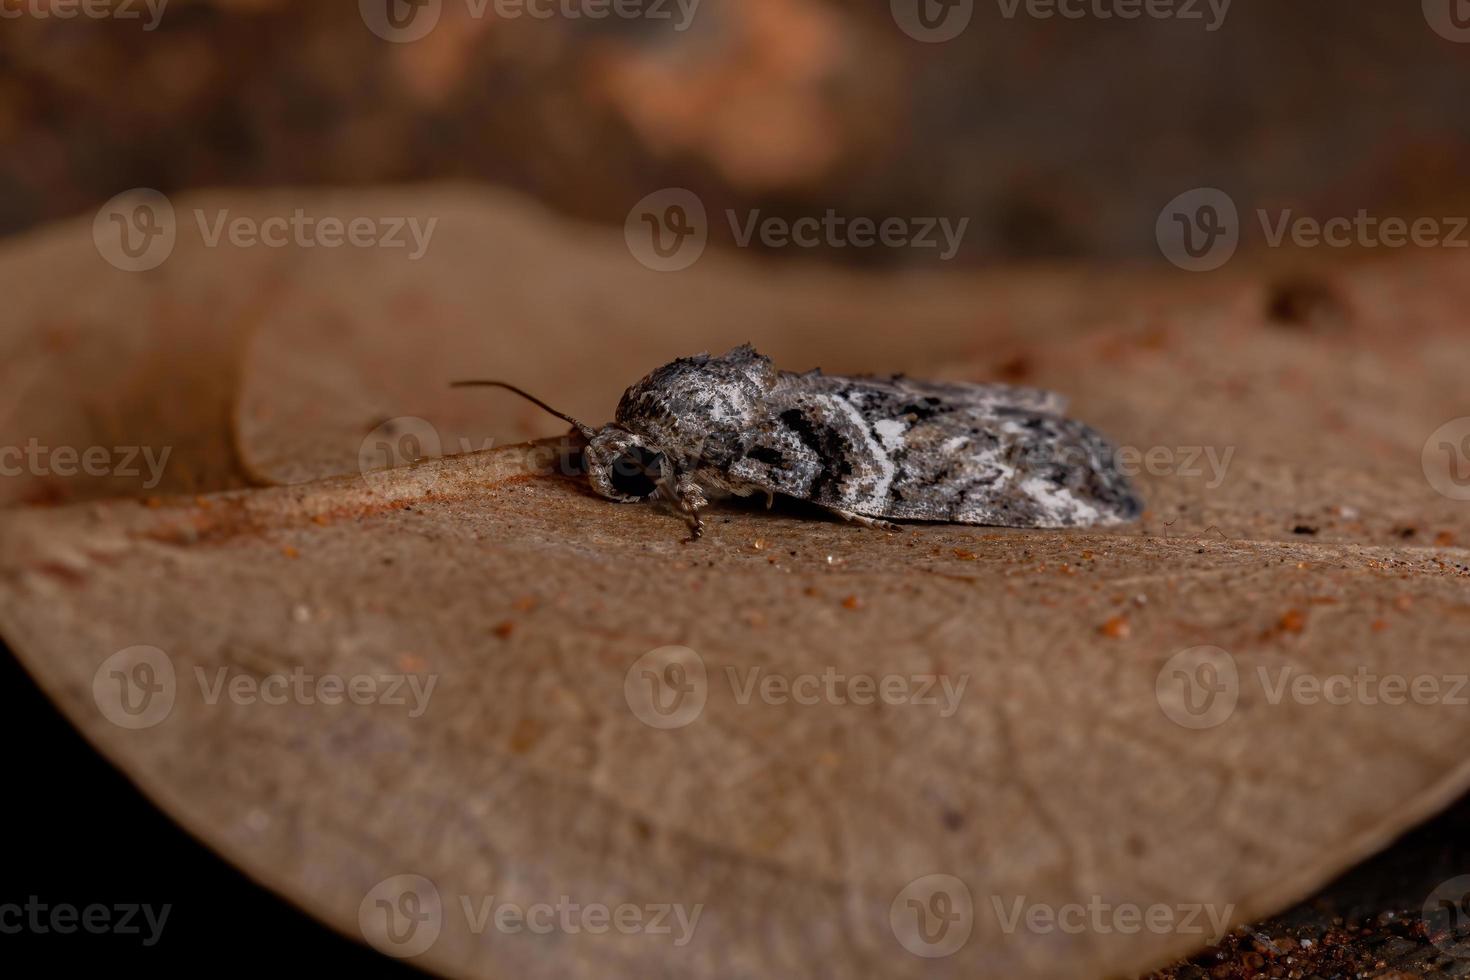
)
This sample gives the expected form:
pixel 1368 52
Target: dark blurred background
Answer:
pixel 1058 136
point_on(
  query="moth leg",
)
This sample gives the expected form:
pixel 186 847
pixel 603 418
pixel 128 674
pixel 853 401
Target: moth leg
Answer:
pixel 687 496
pixel 770 500
pixel 862 521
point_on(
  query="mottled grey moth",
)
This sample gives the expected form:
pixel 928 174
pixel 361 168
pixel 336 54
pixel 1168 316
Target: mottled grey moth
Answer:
pixel 869 449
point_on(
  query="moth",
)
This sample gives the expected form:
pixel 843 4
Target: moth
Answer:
pixel 870 449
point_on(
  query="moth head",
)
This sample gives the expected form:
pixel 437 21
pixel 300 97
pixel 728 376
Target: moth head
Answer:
pixel 621 467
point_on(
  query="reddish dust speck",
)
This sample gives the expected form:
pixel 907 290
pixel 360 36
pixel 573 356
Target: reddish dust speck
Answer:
pixel 1116 628
pixel 1403 603
pixel 411 663
pixel 526 734
pixel 964 555
pixel 1379 625
pixel 852 602
pixel 1156 338
pixel 1293 621
pixel 1018 368
pixel 525 603
pixel 290 552
pixel 322 520
pixel 504 629
pixel 154 502
pixel 1444 539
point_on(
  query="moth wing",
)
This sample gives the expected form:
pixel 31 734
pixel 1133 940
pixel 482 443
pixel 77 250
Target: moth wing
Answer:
pixel 1006 466
pixel 864 446
pixel 954 393
pixel 988 394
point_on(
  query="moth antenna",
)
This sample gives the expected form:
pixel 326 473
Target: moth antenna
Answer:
pixel 586 430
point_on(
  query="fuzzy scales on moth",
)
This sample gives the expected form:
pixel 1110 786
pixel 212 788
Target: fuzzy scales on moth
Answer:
pixel 870 449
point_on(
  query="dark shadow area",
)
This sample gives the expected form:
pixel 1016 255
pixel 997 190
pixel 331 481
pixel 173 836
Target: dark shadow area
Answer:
pixel 78 833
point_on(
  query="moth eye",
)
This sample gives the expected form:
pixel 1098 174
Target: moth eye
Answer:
pixel 635 473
